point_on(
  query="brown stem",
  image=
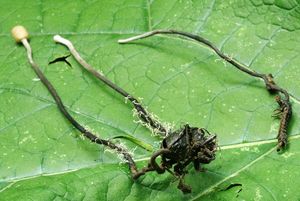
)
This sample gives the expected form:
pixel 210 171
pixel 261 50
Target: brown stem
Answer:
pixel 92 137
pixel 272 87
pixel 152 165
pixel 142 112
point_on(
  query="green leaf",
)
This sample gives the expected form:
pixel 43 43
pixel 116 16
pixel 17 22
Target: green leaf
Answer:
pixel 42 157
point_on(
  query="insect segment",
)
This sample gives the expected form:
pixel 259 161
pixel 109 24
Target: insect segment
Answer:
pixel 178 148
pixel 189 144
pixel 271 86
pixel 185 146
pixel 284 112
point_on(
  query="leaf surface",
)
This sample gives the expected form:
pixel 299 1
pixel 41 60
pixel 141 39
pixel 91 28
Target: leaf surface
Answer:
pixel 44 158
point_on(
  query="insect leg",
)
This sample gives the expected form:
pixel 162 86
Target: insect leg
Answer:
pixel 152 165
pixel 182 186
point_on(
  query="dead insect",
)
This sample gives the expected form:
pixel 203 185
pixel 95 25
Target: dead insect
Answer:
pixel 178 148
pixel 284 112
pixel 185 146
pixel 283 98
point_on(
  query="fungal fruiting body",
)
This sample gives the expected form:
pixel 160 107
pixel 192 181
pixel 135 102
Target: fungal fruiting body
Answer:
pixel 21 35
pixel 141 111
pixel 178 149
pixel 272 87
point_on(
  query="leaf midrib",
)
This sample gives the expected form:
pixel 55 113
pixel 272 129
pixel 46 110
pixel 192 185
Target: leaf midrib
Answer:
pixel 38 34
pixel 225 147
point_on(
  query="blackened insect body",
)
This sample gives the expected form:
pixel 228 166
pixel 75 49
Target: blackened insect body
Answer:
pixel 283 98
pixel 188 145
pixel 178 148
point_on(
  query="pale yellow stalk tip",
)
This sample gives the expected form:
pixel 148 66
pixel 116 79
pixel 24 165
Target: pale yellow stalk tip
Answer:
pixel 19 33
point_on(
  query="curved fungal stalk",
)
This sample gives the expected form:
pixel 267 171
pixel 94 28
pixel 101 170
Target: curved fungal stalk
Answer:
pixel 21 35
pixel 142 112
pixel 283 98
pixel 179 148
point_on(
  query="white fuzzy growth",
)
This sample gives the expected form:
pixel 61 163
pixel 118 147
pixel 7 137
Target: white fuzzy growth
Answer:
pixel 126 99
pixel 108 150
pixel 169 127
pixel 155 132
pixel 120 155
pixel 140 99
